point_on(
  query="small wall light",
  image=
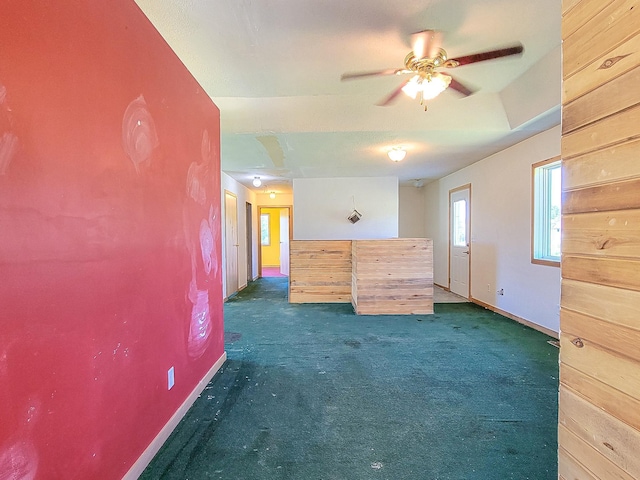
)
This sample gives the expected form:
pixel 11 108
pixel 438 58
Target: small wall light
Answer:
pixel 272 195
pixel 354 216
pixel 257 182
pixel 397 154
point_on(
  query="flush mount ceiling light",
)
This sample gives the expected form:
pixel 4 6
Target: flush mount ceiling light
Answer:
pixel 257 182
pixel 272 195
pixel 397 154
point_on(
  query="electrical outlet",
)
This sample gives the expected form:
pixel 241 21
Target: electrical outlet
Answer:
pixel 171 379
pixel 488 287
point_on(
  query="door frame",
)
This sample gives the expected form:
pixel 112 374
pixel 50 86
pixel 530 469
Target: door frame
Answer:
pixel 451 192
pixel 258 231
pixel 226 246
pixel 249 239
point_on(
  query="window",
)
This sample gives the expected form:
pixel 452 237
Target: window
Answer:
pixel 547 210
pixel 265 234
pixel 460 223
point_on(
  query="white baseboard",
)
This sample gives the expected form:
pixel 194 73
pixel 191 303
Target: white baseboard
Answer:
pixel 138 467
pixel 535 326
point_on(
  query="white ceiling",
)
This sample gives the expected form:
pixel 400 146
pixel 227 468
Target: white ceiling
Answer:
pixel 273 68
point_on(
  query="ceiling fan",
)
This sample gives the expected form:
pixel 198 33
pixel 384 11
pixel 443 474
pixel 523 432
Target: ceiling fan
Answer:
pixel 425 61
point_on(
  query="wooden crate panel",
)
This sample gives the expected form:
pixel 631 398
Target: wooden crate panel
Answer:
pixel 619 93
pixel 614 234
pixel 611 368
pixel 616 338
pixel 392 277
pixel 604 68
pixel 610 437
pixel 602 134
pixel 599 413
pixel 612 401
pixel 622 195
pixel 320 271
pixel 588 9
pixel 579 460
pixel 607 29
pixel 619 162
pixel 612 304
pixel 614 272
pixel 567 5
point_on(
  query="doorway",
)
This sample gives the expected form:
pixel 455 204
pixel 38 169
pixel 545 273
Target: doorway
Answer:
pixel 231 243
pixel 275 234
pixel 249 230
pixel 460 240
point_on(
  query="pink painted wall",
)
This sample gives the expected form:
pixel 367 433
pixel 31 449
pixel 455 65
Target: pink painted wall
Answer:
pixel 110 268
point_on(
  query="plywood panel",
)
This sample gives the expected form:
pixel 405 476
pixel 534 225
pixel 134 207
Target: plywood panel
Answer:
pixel 618 162
pixel 613 234
pixel 392 276
pixel 603 134
pixel 608 99
pixel 604 271
pixel 608 66
pixel 612 401
pixel 608 303
pixel 607 29
pixel 609 437
pixel 320 271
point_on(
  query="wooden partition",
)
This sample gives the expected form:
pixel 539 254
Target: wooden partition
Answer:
pixel 320 271
pixel 378 277
pixel 599 413
pixel 392 276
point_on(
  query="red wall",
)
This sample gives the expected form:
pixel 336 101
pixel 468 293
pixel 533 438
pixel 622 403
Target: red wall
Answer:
pixel 109 237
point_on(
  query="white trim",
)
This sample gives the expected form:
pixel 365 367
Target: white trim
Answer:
pixel 138 467
pixel 527 323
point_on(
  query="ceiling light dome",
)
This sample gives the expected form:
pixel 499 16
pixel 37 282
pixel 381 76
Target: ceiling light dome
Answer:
pixel 257 182
pixel 397 154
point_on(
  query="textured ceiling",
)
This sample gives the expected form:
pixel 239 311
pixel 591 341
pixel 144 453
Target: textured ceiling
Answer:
pixel 273 68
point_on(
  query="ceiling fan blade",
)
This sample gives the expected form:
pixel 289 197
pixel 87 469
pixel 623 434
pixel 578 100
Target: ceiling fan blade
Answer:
pixel 460 88
pixel 482 56
pixel 389 100
pixel 377 73
pixel 426 44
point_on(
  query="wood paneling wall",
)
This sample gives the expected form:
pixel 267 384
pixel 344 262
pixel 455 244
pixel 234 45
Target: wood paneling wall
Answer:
pixel 320 271
pixel 392 277
pixel 599 409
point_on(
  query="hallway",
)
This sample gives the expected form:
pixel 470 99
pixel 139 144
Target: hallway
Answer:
pixel 316 392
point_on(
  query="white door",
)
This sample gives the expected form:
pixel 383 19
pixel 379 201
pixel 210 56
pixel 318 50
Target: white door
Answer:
pixel 459 248
pixel 231 243
pixel 284 241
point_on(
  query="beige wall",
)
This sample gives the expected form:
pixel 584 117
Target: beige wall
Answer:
pixel 500 231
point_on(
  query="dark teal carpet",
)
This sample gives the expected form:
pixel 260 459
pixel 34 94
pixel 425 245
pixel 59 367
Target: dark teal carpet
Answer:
pixel 316 392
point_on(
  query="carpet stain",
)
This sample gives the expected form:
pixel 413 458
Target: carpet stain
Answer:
pixel 352 343
pixel 231 337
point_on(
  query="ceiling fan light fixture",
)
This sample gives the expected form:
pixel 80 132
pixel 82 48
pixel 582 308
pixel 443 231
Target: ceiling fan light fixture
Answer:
pixel 413 87
pixel 397 154
pixel 257 182
pixel 435 85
